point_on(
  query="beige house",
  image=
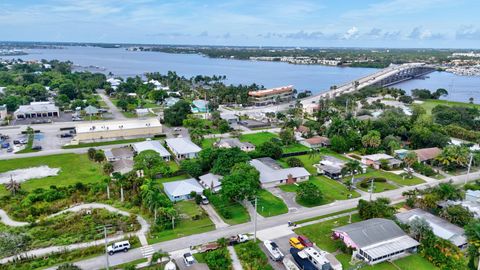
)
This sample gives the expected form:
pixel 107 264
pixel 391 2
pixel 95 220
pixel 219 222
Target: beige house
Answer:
pixel 107 130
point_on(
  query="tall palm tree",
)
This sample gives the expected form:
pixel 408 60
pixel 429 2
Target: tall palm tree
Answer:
pixel 409 160
pixel 12 186
pixel 353 167
pixel 108 180
pixel 120 181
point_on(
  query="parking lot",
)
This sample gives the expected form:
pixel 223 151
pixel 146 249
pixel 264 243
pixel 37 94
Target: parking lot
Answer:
pixel 284 246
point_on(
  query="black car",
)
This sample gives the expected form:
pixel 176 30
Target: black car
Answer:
pixel 37 148
pixel 66 135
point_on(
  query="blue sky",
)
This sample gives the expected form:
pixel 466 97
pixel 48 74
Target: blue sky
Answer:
pixel 324 23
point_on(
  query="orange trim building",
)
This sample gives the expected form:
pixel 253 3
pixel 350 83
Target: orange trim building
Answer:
pixel 272 95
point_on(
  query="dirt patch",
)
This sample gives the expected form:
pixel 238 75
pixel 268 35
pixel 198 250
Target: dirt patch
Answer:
pixel 22 175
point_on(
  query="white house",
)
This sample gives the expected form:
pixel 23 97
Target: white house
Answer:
pixel 180 190
pixel 152 145
pixel 272 174
pixel 234 142
pixel 211 181
pixel 183 148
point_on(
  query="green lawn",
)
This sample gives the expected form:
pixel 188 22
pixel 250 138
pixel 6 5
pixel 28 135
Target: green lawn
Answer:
pixel 231 212
pixel 28 147
pixel 208 143
pixel 310 159
pixel 392 177
pixel 94 144
pixel 258 138
pixel 378 187
pixel 186 225
pixel 296 147
pixel 429 104
pixel 73 168
pixel 332 190
pixel 269 205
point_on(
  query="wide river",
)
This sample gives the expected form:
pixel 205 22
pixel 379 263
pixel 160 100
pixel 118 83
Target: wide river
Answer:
pixel 316 78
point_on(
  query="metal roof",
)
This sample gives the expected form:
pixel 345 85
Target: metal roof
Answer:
pixel 151 145
pixel 182 146
pixel 390 246
pixel 372 231
pixel 182 187
pixel 210 180
pixel 268 173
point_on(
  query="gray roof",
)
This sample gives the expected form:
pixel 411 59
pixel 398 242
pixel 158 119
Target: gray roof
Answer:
pixel 390 246
pixel 151 145
pixel 234 142
pixel 90 110
pixel 371 231
pixel 123 166
pixel 35 107
pixel 440 227
pixel 210 180
pixel 182 187
pixel 271 173
pixel 182 146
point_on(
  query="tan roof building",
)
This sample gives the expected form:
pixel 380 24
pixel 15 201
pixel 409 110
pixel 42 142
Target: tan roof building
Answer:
pixel 427 154
pixel 316 141
pixel 269 96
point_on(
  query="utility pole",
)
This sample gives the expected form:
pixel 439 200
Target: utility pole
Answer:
pixel 255 222
pixel 371 189
pixel 106 243
pixel 469 167
pixel 173 223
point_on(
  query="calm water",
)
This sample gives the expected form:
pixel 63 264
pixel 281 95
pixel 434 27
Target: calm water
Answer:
pixel 270 74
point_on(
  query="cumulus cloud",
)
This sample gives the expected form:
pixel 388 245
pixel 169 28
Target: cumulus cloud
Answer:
pixel 351 33
pixel 424 34
pixel 468 32
pixel 305 35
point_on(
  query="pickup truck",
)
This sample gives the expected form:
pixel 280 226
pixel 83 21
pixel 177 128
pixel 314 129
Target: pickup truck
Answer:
pixel 237 239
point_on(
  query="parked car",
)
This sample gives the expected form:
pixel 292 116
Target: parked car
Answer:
pixel 188 259
pixel 204 200
pixel 5 145
pixel 9 150
pixel 118 246
pixel 294 242
pixel 37 148
pixel 16 142
pixel 237 239
pixel 305 241
pixel 66 135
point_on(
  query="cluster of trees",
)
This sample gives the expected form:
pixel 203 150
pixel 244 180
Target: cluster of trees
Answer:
pixel 465 117
pixel 199 127
pixel 427 94
pixel 34 82
pixel 379 208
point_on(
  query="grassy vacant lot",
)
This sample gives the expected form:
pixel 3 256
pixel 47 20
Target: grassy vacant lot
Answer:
pixel 269 205
pixel 231 212
pixel 332 190
pixel 73 168
pixel 187 225
pixel 208 143
pixel 429 104
pixel 392 177
pixel 261 137
pixel 378 187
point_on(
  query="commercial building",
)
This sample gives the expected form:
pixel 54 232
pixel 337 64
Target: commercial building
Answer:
pixel 234 142
pixel 37 110
pixel 183 148
pixel 376 161
pixel 376 240
pixel 272 95
pixel 211 181
pixel 180 190
pixel 440 227
pixel 107 130
pixel 316 142
pixel 154 146
pixel 272 174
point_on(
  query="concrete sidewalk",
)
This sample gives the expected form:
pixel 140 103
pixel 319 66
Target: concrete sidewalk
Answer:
pixel 235 261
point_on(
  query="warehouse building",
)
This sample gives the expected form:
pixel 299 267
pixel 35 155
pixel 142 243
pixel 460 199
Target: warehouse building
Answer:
pixel 116 129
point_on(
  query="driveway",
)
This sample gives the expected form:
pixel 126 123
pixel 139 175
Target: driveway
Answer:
pixel 235 261
pixel 117 114
pixel 287 197
pixel 216 219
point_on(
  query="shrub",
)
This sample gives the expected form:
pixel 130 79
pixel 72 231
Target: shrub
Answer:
pixel 294 162
pixel 218 259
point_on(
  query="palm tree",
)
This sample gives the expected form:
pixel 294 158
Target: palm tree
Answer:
pixel 409 160
pixel 12 186
pixel 120 180
pixel 108 180
pixel 353 167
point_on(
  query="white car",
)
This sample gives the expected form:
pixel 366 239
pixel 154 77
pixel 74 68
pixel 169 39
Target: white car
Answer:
pixel 118 246
pixel 188 259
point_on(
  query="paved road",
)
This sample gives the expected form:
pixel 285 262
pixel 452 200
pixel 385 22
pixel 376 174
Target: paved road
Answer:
pixel 264 224
pixel 117 114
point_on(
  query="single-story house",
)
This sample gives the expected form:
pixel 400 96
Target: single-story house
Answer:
pixel 199 106
pixel 180 190
pixel 302 130
pixel 250 123
pixel 169 102
pixel 152 145
pixel 440 227
pixel 272 174
pixel 229 117
pixel 401 153
pixel 316 142
pixel 234 142
pixel 211 181
pixel 375 160
pixel 376 240
pixel 332 167
pixel 119 153
pixel 427 154
pixel 183 148
pixel 122 166
pixel 91 110
pixel 37 110
pixel 311 108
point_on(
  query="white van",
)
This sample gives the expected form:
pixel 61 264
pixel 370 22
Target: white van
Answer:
pixel 117 247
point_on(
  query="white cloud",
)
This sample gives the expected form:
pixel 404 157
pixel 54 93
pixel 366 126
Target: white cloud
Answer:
pixel 468 32
pixel 351 33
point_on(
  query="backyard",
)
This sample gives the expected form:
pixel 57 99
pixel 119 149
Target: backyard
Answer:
pixel 73 168
pixel 261 137
pixel 193 220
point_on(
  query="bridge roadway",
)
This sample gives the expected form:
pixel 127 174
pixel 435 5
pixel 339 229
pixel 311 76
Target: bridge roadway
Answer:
pixel 372 79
